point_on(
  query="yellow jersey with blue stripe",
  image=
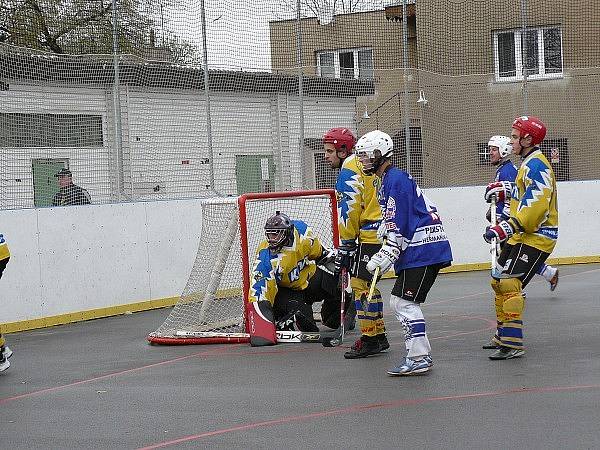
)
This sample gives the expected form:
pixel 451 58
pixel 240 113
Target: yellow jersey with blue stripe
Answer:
pixel 534 205
pixel 359 213
pixel 4 252
pixel 291 267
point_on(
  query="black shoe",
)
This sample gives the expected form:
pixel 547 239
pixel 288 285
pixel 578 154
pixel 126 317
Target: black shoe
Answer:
pixel 383 342
pixel 363 347
pixel 492 345
pixel 507 353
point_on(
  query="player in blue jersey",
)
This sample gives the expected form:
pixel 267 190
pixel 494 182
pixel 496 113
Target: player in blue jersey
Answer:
pixel 416 246
pixel 500 148
pixel 5 351
pixel 288 275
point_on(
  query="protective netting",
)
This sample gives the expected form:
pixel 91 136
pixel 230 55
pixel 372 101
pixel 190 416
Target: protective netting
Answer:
pixel 213 299
pixel 160 99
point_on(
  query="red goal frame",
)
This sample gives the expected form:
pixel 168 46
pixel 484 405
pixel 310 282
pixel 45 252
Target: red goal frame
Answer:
pixel 242 201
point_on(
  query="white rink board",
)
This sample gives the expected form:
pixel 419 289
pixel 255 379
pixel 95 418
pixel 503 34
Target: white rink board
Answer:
pixel 78 258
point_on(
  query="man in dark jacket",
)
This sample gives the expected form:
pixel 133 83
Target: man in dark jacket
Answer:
pixel 69 193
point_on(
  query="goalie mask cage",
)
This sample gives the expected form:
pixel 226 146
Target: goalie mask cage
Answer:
pixel 213 306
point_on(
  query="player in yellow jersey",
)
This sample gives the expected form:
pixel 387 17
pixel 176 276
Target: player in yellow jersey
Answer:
pixel 531 231
pixel 286 276
pixel 359 216
pixel 5 352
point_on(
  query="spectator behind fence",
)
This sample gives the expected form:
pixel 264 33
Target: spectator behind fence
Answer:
pixel 69 193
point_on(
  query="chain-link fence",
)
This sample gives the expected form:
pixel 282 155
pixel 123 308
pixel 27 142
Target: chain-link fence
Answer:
pixel 156 99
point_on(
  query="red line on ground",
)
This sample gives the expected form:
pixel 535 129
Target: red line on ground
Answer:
pixel 233 346
pixel 215 351
pixel 362 408
pixel 489 292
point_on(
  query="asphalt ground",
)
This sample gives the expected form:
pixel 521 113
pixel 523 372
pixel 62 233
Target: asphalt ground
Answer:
pixel 99 384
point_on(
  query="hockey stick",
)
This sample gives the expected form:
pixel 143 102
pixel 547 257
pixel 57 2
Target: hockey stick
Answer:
pixel 283 337
pixel 373 282
pixel 339 339
pixel 494 248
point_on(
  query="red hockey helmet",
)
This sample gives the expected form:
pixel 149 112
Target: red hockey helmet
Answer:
pixel 341 138
pixel 531 126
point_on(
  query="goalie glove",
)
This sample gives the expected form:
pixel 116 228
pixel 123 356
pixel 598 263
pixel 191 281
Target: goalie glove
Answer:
pixel 344 256
pixel 502 232
pixel 327 260
pixel 500 189
pixel 384 258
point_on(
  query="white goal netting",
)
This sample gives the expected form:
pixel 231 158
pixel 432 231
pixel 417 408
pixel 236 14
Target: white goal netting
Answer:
pixel 212 306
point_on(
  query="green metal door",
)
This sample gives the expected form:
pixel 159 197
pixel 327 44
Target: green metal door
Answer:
pixel 254 173
pixel 45 184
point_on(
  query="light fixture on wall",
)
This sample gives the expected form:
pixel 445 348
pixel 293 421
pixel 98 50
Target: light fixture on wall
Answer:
pixel 422 100
pixel 366 113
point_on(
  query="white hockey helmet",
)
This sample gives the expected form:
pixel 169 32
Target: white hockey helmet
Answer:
pixel 373 149
pixel 503 144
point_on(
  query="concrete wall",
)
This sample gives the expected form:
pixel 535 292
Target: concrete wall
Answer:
pixel 71 259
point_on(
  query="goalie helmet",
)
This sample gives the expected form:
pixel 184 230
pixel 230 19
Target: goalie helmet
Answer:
pixel 373 149
pixel 341 138
pixel 530 126
pixel 279 231
pixel 503 144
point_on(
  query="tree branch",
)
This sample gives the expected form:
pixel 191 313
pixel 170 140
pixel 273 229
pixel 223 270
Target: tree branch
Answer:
pixel 84 21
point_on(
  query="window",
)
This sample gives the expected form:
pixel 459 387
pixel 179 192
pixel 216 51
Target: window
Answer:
pixel 347 64
pixel 483 154
pixel 21 130
pixel 326 64
pixel 535 51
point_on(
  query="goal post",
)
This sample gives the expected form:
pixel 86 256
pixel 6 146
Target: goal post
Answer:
pixel 213 307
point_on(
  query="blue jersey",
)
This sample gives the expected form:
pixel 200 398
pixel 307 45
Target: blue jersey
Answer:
pixel 414 219
pixel 506 171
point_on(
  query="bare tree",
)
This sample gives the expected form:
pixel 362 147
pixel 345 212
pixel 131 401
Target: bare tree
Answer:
pixel 321 8
pixel 85 26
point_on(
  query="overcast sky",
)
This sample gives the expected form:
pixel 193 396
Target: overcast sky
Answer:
pixel 238 30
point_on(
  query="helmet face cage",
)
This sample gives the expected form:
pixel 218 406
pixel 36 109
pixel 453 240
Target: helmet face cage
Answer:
pixel 503 144
pixel 369 163
pixel 278 231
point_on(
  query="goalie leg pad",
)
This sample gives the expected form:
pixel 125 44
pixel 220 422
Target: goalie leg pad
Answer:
pixel 261 324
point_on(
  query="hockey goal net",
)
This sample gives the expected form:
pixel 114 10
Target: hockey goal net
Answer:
pixel 212 308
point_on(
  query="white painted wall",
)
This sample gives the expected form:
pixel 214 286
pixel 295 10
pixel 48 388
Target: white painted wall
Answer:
pixel 84 257
pixel 165 139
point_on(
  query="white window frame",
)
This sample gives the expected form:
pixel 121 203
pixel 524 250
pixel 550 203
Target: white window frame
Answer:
pixel 541 75
pixel 336 60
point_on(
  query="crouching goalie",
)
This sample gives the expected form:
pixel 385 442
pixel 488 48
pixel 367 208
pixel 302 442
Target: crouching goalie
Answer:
pixel 290 274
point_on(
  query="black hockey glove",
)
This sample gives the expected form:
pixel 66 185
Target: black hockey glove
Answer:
pixel 345 257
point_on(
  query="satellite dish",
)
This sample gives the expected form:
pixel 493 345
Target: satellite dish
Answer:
pixel 325 12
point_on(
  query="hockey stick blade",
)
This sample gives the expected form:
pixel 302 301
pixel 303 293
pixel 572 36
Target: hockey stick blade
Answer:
pixel 334 341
